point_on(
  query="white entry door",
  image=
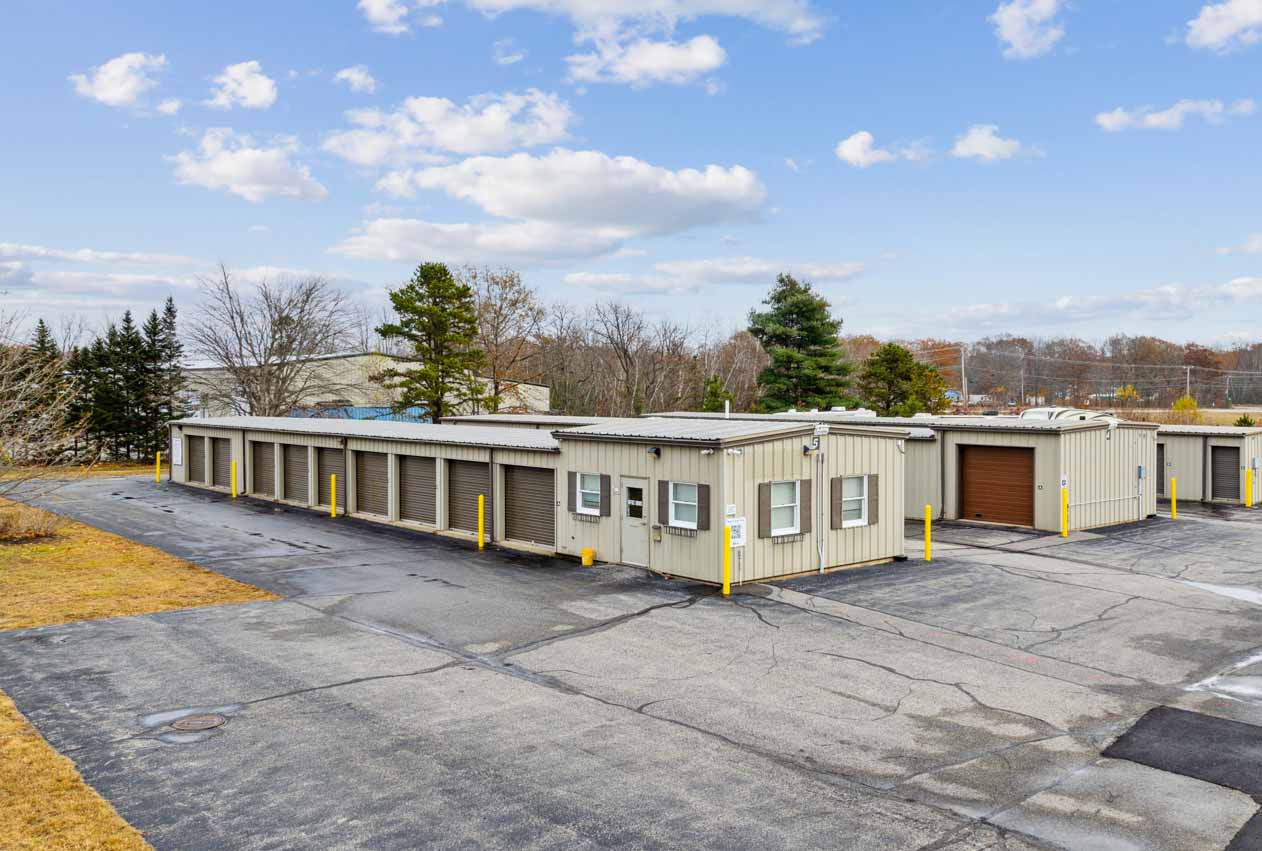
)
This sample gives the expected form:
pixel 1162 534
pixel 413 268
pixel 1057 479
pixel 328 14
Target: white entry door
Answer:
pixel 635 522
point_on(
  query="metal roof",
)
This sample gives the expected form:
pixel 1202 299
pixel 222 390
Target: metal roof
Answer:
pixel 701 431
pixel 456 435
pixel 945 422
pixel 1210 430
pixel 526 419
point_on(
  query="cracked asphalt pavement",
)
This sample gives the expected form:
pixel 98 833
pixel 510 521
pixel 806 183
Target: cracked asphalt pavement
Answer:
pixel 411 692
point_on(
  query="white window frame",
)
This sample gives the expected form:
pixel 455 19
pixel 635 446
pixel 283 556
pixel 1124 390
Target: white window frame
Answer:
pixel 862 500
pixel 579 508
pixel 683 524
pixel 796 528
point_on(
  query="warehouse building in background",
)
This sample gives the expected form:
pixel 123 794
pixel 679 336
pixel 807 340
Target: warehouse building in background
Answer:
pixel 1211 463
pixel 655 493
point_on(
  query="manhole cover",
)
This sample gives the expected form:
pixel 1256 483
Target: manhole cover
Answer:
pixel 197 723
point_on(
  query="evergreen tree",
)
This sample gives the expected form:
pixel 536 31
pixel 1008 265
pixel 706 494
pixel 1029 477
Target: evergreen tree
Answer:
pixel 894 384
pixel 437 320
pixel 43 346
pixel 799 334
pixel 716 394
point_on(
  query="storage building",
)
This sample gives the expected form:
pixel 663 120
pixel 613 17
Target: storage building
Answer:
pixel 1210 462
pixel 1008 470
pixel 653 493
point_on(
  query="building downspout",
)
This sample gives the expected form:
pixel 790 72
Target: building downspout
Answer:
pixel 1206 461
pixel 942 467
pixel 820 534
pixel 490 478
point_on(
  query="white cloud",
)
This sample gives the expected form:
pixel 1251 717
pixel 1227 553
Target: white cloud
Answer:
pixel 358 78
pixel 122 80
pixel 644 61
pixel 1028 28
pixel 245 85
pixel 394 16
pixel 1251 245
pixel 170 106
pixel 235 163
pixel 1222 26
pixel 506 52
pixel 681 276
pixel 860 151
pixel 607 17
pixel 792 165
pixel 421 126
pixel 1172 118
pixel 18 251
pixel 564 205
pixel 983 142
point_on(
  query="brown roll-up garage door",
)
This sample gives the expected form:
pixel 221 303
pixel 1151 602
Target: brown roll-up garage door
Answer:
pixel 221 461
pixel 1161 469
pixel 263 467
pixel 1225 470
pixel 417 494
pixel 465 480
pixel 296 473
pixel 331 462
pixel 530 504
pixel 372 483
pixel 997 484
pixel 195 449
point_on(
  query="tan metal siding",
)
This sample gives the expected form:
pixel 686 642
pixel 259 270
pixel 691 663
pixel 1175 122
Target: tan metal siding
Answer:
pixel 1103 472
pixel 923 484
pixel 417 489
pixel 330 462
pixel 1046 470
pixel 372 483
pixel 263 468
pixel 221 461
pixel 1184 463
pixel 295 473
pixel 530 504
pixel 195 456
pixel 465 481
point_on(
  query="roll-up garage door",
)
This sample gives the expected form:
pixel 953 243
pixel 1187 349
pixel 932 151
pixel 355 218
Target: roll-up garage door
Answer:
pixel 263 467
pixel 1161 469
pixel 465 480
pixel 997 484
pixel 417 496
pixel 195 448
pixel 530 504
pixel 221 461
pixel 296 473
pixel 1225 464
pixel 372 483
pixel 331 462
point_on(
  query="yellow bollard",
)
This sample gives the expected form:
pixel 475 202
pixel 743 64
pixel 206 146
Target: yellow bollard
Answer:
pixel 1064 512
pixel 1248 488
pixel 332 494
pixel 157 469
pixel 1174 498
pixel 481 520
pixel 928 532
pixel 234 479
pixel 727 560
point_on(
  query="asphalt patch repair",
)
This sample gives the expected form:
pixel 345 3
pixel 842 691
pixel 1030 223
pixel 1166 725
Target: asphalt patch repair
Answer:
pixel 1226 753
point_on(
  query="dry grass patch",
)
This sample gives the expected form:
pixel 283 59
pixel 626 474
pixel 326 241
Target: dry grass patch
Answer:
pixel 44 803
pixel 83 573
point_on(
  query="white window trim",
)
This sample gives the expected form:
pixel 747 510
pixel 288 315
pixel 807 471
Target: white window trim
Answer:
pixel 862 499
pixel 681 524
pixel 796 528
pixel 579 508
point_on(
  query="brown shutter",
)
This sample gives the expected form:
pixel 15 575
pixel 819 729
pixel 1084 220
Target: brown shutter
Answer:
pixel 834 502
pixel 604 495
pixel 806 516
pixel 571 498
pixel 703 507
pixel 663 503
pixel 764 509
pixel 874 499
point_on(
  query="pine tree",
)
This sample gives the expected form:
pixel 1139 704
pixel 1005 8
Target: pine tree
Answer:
pixel 716 394
pixel 436 318
pixel 171 366
pixel 799 334
pixel 893 383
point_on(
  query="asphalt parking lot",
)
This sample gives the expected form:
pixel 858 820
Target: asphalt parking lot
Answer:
pixel 412 692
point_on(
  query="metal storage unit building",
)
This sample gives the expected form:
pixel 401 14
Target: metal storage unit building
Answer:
pixel 1100 459
pixel 1210 462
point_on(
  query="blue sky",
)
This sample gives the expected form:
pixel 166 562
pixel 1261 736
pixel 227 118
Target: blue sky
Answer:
pixel 951 169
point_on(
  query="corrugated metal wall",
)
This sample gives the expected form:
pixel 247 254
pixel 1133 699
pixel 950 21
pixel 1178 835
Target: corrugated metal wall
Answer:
pixel 1183 462
pixel 923 482
pixel 1103 471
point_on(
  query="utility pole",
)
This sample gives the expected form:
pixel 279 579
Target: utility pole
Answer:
pixel 1021 404
pixel 1187 390
pixel 963 375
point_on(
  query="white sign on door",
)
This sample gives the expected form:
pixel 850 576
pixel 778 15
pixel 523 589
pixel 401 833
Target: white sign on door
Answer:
pixel 737 525
pixel 177 450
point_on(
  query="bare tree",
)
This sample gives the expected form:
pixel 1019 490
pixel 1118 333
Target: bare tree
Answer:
pixel 36 430
pixel 509 321
pixel 266 342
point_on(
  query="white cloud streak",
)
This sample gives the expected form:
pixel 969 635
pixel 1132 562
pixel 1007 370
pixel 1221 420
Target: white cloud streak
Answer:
pixel 983 142
pixel 506 52
pixel 395 17
pixel 643 62
pixel 1173 117
pixel 122 80
pixel 1225 26
pixel 244 85
pixel 235 163
pixel 357 78
pixel 1028 28
pixel 686 276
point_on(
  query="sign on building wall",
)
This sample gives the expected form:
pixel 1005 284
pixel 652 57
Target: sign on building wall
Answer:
pixel 177 450
pixel 737 525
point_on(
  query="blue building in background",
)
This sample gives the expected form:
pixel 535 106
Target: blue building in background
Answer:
pixel 363 412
